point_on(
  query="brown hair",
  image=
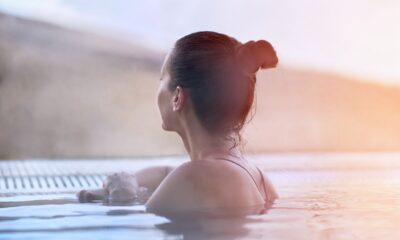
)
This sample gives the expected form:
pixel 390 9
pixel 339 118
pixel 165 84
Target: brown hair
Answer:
pixel 219 73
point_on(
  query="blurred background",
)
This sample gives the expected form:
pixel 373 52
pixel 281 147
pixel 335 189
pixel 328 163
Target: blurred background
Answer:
pixel 78 78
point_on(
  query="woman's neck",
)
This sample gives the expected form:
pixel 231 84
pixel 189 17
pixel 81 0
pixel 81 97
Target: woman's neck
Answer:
pixel 201 145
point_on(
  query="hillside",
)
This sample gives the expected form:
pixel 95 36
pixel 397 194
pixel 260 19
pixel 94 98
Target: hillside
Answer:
pixel 310 111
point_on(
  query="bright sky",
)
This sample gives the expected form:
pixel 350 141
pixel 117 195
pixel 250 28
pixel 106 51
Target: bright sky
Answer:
pixel 353 37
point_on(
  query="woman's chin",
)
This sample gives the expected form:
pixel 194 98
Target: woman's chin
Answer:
pixel 164 127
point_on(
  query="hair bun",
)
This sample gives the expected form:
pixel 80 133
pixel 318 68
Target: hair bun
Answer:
pixel 254 55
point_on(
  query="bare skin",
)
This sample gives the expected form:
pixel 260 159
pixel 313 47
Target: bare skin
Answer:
pixel 202 182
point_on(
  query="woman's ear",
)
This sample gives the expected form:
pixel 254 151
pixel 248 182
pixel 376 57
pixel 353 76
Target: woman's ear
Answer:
pixel 178 99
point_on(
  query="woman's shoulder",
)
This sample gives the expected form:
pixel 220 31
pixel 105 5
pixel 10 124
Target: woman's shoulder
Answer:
pixel 205 174
pixel 202 184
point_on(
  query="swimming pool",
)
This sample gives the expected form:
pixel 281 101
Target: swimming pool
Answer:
pixel 322 196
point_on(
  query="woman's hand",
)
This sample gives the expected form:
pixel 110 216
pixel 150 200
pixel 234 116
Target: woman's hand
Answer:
pixel 91 195
pixel 122 186
pixel 119 187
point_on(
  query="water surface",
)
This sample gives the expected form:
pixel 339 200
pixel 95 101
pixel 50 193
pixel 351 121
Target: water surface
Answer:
pixel 316 202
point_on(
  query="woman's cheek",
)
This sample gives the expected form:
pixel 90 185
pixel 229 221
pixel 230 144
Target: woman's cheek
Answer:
pixel 161 103
pixel 159 99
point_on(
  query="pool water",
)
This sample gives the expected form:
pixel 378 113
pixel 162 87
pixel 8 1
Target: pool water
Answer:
pixel 356 200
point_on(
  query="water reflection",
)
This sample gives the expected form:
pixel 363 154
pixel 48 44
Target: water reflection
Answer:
pixel 221 223
pixel 208 227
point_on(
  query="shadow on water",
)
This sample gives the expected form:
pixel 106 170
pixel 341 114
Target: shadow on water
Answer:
pixel 221 223
pixel 215 223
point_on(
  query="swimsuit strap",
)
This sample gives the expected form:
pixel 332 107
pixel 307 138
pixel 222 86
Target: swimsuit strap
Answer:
pixel 263 183
pixel 242 166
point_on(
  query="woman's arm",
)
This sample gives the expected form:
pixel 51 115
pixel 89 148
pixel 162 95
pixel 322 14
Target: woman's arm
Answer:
pixel 149 177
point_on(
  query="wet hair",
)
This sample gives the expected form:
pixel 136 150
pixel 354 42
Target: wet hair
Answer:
pixel 219 74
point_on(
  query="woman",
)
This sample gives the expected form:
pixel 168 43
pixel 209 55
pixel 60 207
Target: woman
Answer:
pixel 206 93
